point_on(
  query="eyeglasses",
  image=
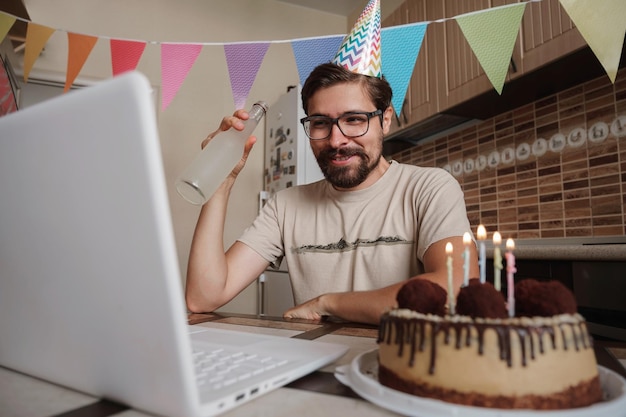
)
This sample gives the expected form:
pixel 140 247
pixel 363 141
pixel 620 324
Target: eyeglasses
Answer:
pixel 351 125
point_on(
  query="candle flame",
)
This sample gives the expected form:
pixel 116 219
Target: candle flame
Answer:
pixel 497 238
pixel 510 245
pixel 449 248
pixel 481 233
pixel 467 238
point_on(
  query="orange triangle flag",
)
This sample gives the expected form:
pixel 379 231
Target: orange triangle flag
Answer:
pixel 79 48
pixel 36 38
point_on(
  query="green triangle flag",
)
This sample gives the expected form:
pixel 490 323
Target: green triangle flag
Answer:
pixel 491 34
pixel 603 25
pixel 6 22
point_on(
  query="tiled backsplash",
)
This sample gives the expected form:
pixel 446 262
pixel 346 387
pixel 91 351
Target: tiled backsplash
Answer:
pixel 551 169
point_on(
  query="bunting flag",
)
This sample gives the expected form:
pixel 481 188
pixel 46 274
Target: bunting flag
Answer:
pixel 125 55
pixel 493 46
pixel 8 102
pixel 80 47
pixel 6 22
pixel 176 61
pixel 36 38
pixel 398 61
pixel 491 33
pixel 244 61
pixel 310 53
pixel 603 26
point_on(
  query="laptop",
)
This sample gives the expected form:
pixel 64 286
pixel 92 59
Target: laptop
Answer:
pixel 90 287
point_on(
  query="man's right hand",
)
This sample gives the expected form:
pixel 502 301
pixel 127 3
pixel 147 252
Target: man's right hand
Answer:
pixel 235 121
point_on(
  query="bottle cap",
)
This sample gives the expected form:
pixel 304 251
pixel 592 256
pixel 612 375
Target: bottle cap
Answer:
pixel 263 104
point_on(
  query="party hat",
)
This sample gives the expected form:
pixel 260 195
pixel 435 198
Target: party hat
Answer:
pixel 360 50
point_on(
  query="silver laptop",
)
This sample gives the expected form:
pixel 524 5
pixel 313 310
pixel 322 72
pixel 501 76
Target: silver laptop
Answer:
pixel 90 288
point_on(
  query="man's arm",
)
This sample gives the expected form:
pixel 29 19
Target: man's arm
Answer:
pixel 214 276
pixel 368 306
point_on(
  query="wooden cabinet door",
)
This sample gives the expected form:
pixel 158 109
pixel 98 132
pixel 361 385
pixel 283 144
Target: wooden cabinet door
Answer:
pixel 547 34
pixel 422 97
pixel 420 100
pixel 464 76
pixel 398 17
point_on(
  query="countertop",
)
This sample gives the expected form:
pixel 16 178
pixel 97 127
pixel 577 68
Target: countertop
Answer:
pixel 567 249
pixel 318 393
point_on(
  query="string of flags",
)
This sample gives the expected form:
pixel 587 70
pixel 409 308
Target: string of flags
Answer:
pixel 491 33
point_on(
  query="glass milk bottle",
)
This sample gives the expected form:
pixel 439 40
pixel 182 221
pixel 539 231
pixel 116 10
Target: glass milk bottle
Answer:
pixel 218 158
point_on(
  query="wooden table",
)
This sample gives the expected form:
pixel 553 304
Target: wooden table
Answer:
pixel 318 393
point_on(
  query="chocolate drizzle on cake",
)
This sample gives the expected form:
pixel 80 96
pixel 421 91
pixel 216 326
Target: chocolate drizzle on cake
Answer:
pixel 542 357
pixel 411 331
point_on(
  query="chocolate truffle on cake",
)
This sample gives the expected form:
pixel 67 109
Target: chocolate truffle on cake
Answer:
pixel 480 300
pixel 543 298
pixel 423 296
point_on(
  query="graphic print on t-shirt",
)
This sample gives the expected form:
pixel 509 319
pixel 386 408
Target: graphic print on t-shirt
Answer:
pixel 343 246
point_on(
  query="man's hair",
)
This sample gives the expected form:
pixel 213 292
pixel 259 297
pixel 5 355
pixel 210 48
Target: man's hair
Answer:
pixel 329 74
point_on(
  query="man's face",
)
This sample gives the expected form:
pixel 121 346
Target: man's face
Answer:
pixel 349 163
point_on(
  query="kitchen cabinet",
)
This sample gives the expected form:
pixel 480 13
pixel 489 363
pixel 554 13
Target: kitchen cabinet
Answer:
pixel 541 270
pixel 547 34
pixel 460 75
pixel 397 18
pixel 447 72
pixel 597 286
pixel 421 99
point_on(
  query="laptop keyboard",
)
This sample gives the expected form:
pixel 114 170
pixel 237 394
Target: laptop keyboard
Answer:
pixel 220 367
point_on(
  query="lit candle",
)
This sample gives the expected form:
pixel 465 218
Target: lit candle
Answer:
pixel 467 239
pixel 481 235
pixel 450 282
pixel 510 270
pixel 497 260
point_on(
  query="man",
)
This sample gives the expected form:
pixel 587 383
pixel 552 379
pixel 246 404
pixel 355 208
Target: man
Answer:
pixel 351 240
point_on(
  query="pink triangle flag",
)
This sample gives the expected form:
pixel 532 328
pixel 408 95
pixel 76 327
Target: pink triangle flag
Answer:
pixel 176 61
pixel 125 55
pixel 244 61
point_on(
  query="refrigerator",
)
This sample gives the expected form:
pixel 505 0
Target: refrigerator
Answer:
pixel 289 161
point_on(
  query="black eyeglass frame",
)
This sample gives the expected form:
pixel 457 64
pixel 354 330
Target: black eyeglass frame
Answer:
pixel 335 121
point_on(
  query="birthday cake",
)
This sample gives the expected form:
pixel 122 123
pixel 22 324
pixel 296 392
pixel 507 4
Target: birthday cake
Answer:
pixel 542 358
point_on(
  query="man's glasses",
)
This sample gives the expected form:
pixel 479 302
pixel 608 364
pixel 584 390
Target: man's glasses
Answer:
pixel 351 125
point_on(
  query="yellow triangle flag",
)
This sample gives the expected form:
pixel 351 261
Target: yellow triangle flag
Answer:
pixel 36 38
pixel 491 34
pixel 79 48
pixel 603 25
pixel 6 22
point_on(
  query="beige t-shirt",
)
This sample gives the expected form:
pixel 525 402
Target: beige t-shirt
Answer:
pixel 335 241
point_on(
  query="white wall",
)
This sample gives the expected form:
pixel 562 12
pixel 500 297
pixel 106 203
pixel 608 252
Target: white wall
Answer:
pixel 205 97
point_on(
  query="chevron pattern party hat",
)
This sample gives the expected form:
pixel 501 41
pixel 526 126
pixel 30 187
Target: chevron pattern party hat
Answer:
pixel 360 50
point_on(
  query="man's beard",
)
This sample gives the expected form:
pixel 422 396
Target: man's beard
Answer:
pixel 346 176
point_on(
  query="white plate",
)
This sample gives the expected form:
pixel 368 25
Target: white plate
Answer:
pixel 362 376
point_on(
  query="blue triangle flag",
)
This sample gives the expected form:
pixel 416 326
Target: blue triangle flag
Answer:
pixel 400 46
pixel 309 53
